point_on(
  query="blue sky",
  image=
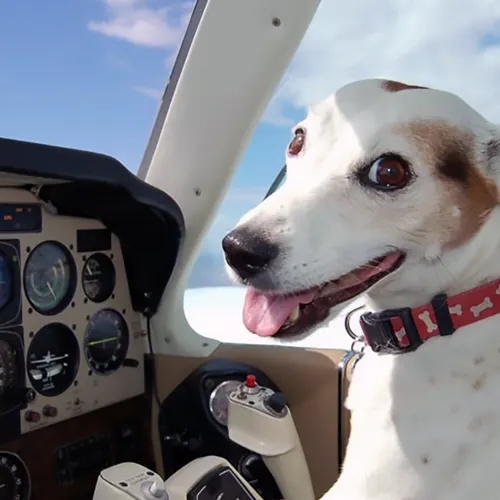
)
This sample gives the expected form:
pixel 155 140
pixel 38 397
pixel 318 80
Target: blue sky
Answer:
pixel 89 74
pixel 84 74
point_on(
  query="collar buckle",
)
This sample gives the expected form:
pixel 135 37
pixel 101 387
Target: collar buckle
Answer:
pixel 380 335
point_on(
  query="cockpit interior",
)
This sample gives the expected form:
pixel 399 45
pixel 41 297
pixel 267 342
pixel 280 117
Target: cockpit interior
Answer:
pixel 85 254
pixel 74 286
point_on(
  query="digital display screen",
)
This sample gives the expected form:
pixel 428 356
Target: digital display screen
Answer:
pixel 20 218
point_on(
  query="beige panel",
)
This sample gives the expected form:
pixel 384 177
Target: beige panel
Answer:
pixel 310 381
pixel 91 391
pixel 346 368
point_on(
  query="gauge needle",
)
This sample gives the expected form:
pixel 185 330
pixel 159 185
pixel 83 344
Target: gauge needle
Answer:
pixel 51 291
pixel 101 341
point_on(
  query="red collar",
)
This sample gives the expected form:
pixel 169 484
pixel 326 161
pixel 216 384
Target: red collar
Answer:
pixel 403 330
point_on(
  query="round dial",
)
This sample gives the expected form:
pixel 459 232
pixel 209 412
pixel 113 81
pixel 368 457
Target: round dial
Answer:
pixel 98 278
pixel 6 281
pixel 9 368
pixel 15 482
pixel 49 277
pixel 106 341
pixel 53 359
pixel 218 402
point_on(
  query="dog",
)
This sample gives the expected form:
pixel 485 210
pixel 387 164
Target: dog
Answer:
pixel 392 191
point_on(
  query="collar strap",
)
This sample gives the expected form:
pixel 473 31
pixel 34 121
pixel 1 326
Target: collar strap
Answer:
pixel 396 331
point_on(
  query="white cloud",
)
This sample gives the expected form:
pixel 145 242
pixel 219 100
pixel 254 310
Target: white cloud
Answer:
pixel 137 22
pixel 453 45
pixel 275 113
pixel 448 44
pixel 150 92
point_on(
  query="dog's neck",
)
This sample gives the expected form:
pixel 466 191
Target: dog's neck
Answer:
pixel 464 268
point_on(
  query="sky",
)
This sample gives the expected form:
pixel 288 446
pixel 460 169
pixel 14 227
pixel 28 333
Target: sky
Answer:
pixel 89 74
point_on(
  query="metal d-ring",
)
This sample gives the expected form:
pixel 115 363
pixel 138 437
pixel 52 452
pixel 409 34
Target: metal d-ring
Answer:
pixel 347 322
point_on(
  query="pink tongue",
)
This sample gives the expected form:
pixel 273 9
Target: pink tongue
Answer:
pixel 265 314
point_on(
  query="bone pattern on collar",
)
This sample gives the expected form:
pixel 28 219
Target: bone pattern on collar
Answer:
pixel 463 309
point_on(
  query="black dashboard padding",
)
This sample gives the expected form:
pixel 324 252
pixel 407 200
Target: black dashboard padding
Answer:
pixel 148 222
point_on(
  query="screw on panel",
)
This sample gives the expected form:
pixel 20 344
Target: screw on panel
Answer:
pixel 276 21
pixel 197 191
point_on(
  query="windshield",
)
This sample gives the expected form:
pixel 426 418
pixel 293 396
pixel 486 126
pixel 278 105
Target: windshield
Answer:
pixel 422 45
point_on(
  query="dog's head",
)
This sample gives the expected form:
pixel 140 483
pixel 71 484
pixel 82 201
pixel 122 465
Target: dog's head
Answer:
pixel 384 180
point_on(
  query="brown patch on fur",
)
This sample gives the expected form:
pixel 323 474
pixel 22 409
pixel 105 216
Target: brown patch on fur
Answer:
pixel 449 152
pixel 393 86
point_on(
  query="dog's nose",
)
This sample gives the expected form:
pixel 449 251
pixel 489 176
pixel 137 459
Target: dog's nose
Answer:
pixel 248 253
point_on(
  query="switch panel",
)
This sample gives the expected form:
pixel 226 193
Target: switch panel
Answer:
pixel 88 456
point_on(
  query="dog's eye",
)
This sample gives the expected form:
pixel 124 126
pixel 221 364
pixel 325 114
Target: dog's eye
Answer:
pixel 297 143
pixel 388 172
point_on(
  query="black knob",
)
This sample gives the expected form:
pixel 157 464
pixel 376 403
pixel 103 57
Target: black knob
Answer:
pixel 24 394
pixel 192 443
pixel 249 466
pixel 30 395
pixel 174 439
pixel 276 402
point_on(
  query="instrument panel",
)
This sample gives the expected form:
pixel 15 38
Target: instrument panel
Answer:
pixel 70 341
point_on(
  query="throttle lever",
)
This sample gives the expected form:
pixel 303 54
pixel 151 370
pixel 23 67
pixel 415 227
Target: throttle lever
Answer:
pixel 260 420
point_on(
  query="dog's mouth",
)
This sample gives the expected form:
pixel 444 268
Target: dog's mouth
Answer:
pixel 273 314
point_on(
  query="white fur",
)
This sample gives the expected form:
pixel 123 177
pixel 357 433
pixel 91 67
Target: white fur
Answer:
pixel 425 425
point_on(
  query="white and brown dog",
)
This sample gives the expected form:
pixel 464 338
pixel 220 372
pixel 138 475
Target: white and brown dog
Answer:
pixel 393 190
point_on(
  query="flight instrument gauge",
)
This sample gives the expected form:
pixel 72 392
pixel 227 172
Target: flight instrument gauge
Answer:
pixel 50 277
pixel 9 368
pixel 53 359
pixel 219 402
pixel 6 281
pixel 15 481
pixel 106 341
pixel 98 277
